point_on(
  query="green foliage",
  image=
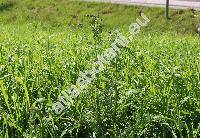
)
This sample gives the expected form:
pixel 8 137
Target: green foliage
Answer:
pixel 150 90
pixel 97 27
pixel 59 13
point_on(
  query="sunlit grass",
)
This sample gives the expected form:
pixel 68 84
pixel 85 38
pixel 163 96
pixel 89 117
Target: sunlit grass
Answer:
pixel 151 89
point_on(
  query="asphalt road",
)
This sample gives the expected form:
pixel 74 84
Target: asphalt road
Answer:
pixel 179 4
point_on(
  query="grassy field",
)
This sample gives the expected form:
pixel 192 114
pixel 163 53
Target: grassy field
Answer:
pixel 151 89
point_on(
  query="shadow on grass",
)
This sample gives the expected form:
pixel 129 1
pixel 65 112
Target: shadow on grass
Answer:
pixel 6 6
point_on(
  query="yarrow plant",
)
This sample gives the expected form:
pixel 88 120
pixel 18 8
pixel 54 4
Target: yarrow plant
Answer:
pixel 86 77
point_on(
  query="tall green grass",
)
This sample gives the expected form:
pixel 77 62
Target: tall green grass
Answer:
pixel 150 90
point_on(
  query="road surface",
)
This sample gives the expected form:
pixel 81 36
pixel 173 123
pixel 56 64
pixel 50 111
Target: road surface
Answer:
pixel 179 4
